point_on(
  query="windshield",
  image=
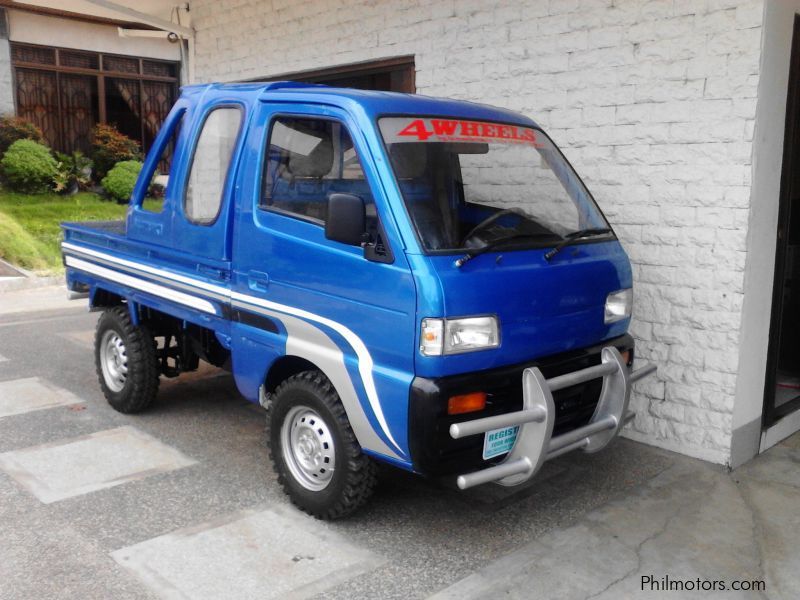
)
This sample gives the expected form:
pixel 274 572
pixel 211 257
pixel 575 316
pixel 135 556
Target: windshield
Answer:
pixel 469 184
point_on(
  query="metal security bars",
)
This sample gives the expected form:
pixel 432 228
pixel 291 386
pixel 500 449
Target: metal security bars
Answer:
pixel 66 92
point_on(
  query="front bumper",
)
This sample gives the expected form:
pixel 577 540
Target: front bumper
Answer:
pixel 435 453
pixel 535 443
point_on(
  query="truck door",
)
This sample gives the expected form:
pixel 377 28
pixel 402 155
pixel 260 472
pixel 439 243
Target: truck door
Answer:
pixel 297 293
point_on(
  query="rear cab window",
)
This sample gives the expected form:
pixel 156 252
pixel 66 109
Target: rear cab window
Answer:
pixel 210 165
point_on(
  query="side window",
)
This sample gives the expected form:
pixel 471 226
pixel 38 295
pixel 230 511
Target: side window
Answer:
pixel 306 161
pixel 212 157
pixel 154 199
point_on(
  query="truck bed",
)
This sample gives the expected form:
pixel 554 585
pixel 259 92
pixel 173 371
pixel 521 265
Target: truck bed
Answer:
pixel 118 227
pixel 95 233
pixel 100 255
pixel 112 237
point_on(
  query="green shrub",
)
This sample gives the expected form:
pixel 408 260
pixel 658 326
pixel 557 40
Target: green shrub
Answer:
pixel 110 147
pixel 28 167
pixel 74 173
pixel 16 128
pixel 121 179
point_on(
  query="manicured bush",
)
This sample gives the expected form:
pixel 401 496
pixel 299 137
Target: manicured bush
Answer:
pixel 74 173
pixel 110 147
pixel 28 167
pixel 16 128
pixel 121 179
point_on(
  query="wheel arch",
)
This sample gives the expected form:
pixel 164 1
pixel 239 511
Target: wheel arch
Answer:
pixel 284 367
pixel 101 298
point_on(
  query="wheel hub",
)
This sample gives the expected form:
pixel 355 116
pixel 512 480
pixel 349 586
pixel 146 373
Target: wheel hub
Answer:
pixel 113 360
pixel 308 448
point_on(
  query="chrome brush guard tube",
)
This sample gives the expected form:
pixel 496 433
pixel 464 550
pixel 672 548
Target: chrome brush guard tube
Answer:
pixel 535 443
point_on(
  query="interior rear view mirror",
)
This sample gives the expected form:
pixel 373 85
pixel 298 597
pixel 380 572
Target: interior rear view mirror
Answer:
pixel 468 148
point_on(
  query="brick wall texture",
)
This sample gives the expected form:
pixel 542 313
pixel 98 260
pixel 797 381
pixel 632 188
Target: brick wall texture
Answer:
pixel 653 103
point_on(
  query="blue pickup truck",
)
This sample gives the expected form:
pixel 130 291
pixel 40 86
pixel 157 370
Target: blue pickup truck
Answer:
pixel 417 281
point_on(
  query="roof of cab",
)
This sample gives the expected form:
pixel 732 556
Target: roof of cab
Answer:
pixel 374 103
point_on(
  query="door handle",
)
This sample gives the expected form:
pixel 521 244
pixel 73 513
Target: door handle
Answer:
pixel 257 281
pixel 211 271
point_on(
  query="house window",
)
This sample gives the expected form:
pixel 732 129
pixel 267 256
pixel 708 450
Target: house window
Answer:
pixel 67 92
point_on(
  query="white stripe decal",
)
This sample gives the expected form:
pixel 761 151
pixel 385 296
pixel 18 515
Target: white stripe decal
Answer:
pixel 148 269
pixel 140 284
pixel 308 340
pixel 365 363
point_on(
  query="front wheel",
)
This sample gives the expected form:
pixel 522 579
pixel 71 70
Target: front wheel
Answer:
pixel 126 361
pixel 314 451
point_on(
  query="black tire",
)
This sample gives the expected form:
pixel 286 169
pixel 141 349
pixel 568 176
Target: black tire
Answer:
pixel 140 385
pixel 354 475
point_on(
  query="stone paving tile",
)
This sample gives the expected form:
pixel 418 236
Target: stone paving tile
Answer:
pixel 19 396
pixel 76 466
pixel 48 298
pixel 274 553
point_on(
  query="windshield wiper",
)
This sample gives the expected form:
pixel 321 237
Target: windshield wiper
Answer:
pixel 572 237
pixel 490 245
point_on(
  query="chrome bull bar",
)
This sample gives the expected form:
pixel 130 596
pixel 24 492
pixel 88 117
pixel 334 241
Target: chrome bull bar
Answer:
pixel 535 443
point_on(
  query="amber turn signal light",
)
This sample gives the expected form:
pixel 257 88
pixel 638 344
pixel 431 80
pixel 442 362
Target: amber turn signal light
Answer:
pixel 465 403
pixel 627 358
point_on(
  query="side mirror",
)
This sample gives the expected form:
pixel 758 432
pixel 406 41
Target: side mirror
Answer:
pixel 347 219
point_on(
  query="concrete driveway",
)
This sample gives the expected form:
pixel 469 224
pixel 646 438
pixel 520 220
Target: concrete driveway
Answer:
pixel 181 502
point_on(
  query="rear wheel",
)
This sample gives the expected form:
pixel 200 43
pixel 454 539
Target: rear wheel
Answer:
pixel 319 463
pixel 126 362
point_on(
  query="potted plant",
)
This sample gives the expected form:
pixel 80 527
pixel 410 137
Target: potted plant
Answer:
pixel 74 173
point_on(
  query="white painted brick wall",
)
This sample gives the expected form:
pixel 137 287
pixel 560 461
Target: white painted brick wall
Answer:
pixel 653 102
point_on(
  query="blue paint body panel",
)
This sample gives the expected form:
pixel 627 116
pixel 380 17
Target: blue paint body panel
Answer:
pixel 270 285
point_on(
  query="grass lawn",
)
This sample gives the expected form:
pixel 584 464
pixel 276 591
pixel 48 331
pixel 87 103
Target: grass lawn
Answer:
pixel 29 225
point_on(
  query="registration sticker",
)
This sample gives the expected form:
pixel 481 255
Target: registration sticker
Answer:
pixel 499 441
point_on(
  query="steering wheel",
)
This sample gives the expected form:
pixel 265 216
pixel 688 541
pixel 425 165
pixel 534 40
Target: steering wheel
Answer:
pixel 488 221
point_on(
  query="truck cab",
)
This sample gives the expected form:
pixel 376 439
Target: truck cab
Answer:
pixel 417 281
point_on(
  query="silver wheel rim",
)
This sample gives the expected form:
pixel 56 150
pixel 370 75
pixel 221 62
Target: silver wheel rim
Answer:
pixel 113 360
pixel 308 449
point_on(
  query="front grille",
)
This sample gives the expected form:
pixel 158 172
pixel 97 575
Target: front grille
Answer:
pixel 574 405
pixel 574 408
pixel 437 453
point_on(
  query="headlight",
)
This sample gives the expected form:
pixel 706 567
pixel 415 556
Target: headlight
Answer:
pixel 618 306
pixel 453 336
